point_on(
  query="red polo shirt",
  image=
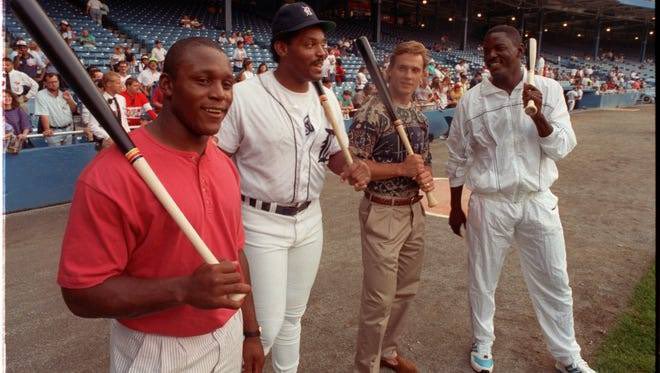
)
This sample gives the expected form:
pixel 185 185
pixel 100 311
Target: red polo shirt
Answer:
pixel 117 226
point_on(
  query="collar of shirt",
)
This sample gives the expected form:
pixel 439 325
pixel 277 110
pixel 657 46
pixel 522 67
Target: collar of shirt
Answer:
pixel 488 88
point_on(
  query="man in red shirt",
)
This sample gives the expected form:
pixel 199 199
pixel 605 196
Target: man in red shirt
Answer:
pixel 125 259
pixel 136 103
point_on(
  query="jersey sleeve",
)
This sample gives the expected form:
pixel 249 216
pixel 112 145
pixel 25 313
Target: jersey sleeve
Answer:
pixel 94 246
pixel 230 134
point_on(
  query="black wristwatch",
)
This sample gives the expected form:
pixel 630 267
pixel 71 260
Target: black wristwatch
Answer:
pixel 252 334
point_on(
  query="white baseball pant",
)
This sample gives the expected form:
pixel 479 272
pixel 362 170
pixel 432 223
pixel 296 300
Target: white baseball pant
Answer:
pixel 221 351
pixel 284 254
pixel 493 223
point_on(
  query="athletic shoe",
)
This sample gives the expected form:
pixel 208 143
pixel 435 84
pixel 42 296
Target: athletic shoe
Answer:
pixel 481 362
pixel 579 366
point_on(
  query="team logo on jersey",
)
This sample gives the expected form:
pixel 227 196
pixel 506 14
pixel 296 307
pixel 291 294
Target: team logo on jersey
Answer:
pixel 324 154
pixel 309 127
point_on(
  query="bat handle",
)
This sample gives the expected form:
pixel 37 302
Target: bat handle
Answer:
pixel 147 173
pixel 531 109
pixel 398 124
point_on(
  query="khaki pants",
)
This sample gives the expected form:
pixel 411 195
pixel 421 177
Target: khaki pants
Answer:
pixel 392 253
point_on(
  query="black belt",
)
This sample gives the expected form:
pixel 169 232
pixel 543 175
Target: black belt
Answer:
pixel 279 209
pixel 59 128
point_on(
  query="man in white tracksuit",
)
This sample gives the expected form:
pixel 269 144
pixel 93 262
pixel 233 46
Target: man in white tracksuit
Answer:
pixel 507 159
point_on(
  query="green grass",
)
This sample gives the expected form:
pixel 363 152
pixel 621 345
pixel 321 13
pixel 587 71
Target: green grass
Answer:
pixel 630 345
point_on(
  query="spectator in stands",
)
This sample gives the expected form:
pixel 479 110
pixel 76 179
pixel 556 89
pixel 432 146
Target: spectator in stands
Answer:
pixel 461 67
pixel 222 39
pixel 137 104
pixel 602 89
pixel 465 83
pixel 262 68
pixel 55 111
pixel 132 63
pixel 158 53
pixel 476 79
pixel 423 94
pixel 18 82
pixel 117 103
pixel 157 98
pixel 327 83
pixel 456 93
pixel 249 38
pixel 144 63
pixel 194 23
pixel 361 96
pixel 15 116
pixel 238 56
pixel 38 54
pixel 96 74
pixel 94 11
pixel 430 69
pixel 611 85
pixel 346 103
pixel 571 98
pixel 361 78
pixel 340 73
pixel 122 70
pixel 540 65
pixel 586 81
pixel 185 21
pixel 86 39
pixel 105 10
pixel 149 76
pixel 239 37
pixel 232 38
pixel 440 90
pixel 246 72
pixel 26 62
pixel 66 32
pixel 332 64
pixel 117 56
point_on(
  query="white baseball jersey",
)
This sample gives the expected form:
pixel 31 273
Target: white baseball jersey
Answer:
pixel 281 140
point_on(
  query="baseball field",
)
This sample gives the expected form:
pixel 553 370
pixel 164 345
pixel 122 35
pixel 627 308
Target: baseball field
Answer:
pixel 606 191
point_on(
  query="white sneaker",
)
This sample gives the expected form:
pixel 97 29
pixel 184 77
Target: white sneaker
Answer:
pixel 481 362
pixel 579 366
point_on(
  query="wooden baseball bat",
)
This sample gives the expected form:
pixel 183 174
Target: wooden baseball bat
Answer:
pixel 530 108
pixel 331 117
pixel 67 64
pixel 370 61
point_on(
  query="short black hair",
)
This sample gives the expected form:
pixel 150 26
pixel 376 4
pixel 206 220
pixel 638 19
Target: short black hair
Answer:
pixel 181 48
pixel 286 38
pixel 510 31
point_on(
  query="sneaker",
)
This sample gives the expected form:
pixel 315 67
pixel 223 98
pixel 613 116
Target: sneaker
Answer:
pixel 481 362
pixel 579 366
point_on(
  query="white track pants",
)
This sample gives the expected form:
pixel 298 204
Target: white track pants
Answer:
pixel 492 225
pixel 284 254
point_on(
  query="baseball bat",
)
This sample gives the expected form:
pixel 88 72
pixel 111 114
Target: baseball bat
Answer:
pixel 67 64
pixel 331 117
pixel 530 108
pixel 370 61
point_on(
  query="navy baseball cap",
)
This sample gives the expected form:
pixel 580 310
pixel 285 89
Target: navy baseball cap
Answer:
pixel 297 16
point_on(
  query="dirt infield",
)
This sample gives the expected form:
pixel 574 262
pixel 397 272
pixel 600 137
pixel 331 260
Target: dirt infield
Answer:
pixel 606 196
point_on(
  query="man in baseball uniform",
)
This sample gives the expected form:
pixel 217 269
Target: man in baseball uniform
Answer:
pixel 282 144
pixel 391 217
pixel 507 159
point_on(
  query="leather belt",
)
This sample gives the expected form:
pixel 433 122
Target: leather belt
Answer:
pixel 290 210
pixel 392 201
